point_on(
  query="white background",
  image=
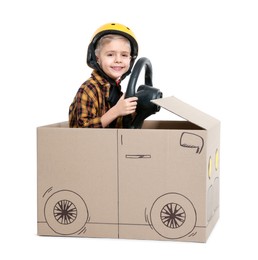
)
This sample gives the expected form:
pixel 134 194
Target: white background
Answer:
pixel 203 52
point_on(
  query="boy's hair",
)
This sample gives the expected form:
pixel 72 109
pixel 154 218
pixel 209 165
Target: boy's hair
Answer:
pixel 107 39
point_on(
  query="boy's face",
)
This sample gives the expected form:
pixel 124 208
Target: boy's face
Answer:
pixel 114 58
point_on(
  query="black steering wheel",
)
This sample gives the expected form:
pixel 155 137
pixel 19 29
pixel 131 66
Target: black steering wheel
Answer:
pixel 145 94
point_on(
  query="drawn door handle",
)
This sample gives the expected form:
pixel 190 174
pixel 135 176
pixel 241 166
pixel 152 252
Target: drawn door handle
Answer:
pixel 137 156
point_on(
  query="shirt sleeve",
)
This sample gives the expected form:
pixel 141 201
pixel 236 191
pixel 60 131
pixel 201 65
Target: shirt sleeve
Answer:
pixel 87 109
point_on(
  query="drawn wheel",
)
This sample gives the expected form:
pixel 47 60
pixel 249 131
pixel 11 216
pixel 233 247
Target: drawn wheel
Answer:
pixel 66 212
pixel 173 216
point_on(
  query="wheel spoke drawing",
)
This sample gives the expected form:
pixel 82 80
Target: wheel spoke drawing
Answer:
pixel 65 212
pixel 172 215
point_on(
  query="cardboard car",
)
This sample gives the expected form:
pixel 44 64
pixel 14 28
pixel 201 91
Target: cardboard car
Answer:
pixel 160 182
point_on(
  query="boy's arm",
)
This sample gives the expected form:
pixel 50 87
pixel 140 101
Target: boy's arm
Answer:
pixel 86 110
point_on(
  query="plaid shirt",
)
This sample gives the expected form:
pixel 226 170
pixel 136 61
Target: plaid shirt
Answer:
pixel 91 103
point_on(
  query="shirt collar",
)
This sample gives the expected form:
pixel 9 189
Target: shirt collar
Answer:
pixel 103 84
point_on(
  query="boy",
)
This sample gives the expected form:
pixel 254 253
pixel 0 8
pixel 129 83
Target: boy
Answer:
pixel 99 102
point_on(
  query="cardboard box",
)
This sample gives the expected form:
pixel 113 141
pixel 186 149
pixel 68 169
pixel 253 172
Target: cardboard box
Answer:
pixel 160 182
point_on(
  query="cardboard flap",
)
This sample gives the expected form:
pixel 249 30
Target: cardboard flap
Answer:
pixel 186 111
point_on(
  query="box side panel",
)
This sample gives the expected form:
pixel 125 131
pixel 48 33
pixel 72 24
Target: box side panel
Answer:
pixel 162 184
pixel 77 182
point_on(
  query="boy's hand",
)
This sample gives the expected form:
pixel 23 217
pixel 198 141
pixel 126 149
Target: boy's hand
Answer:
pixel 122 108
pixel 126 106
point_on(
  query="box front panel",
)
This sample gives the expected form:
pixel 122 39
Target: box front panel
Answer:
pixel 77 182
pixel 213 177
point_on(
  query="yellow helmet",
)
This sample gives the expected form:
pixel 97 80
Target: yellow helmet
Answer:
pixel 111 28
